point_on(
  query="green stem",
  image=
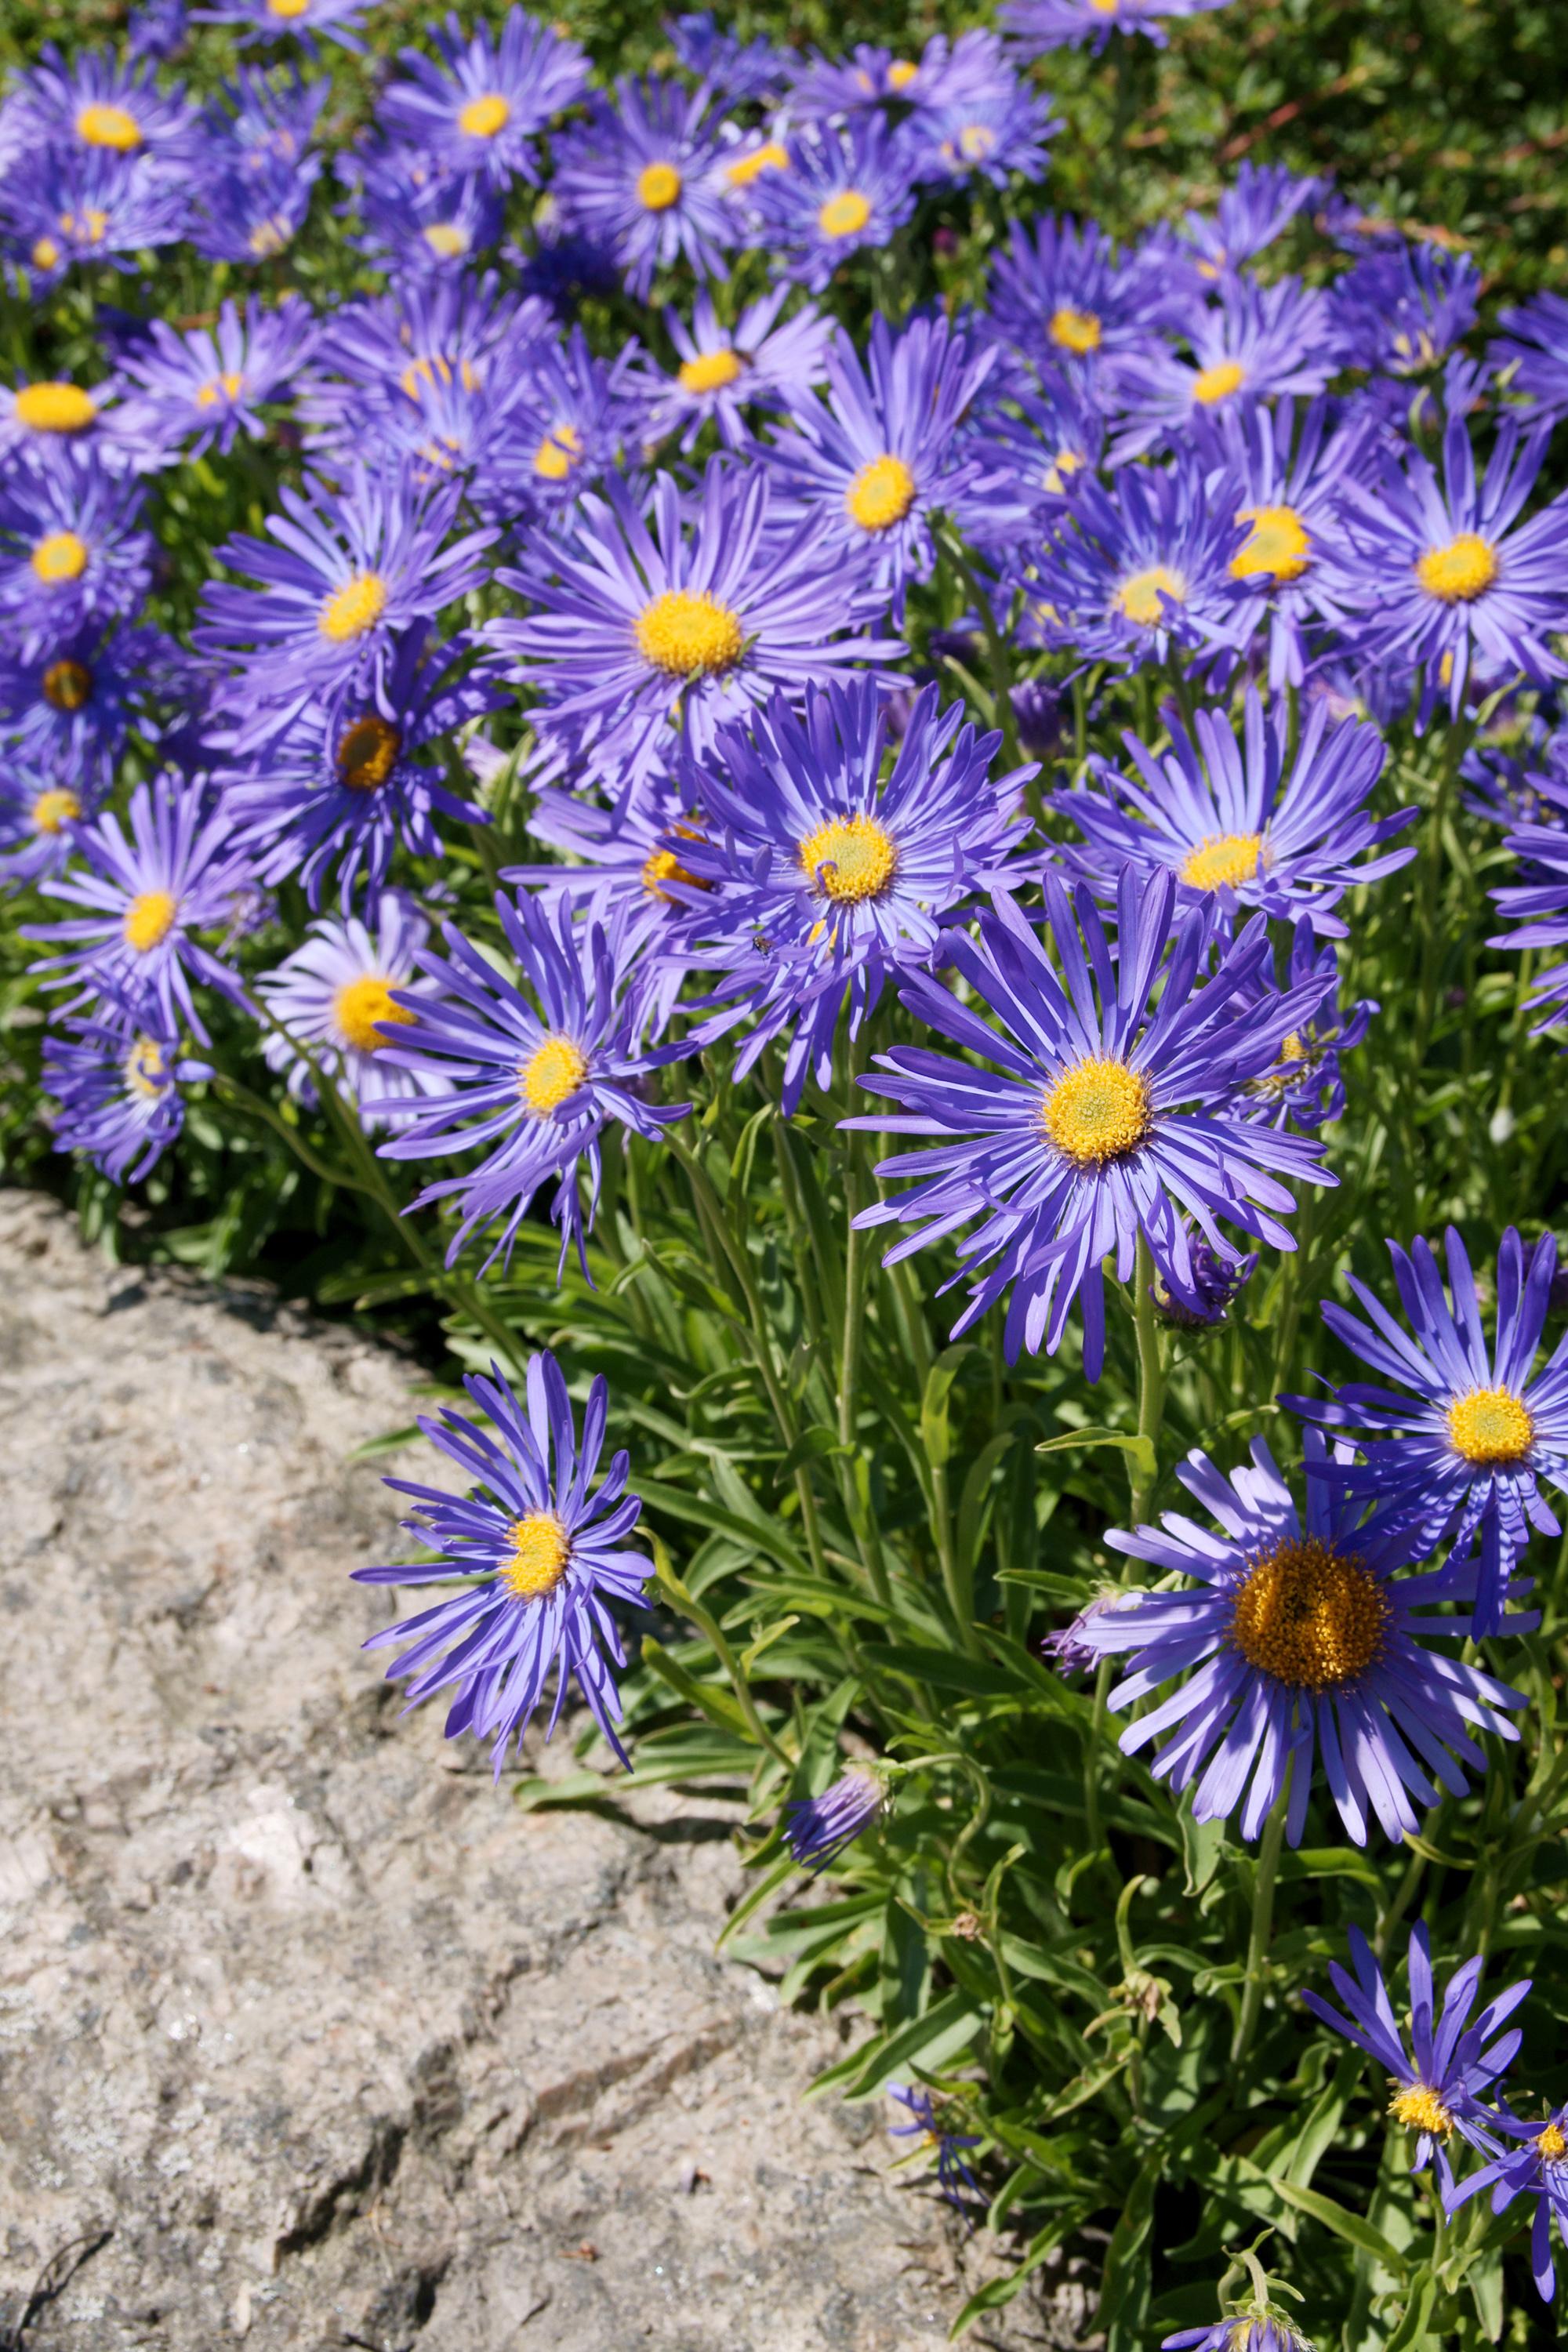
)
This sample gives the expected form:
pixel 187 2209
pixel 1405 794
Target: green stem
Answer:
pixel 1151 1383
pixel 1262 1930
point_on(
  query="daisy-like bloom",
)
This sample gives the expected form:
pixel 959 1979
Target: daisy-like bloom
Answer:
pixel 1403 308
pixel 156 30
pixel 209 384
pixel 1138 567
pixel 1045 442
pixel 79 205
pixel 1299 1641
pixel 52 413
pixel 267 116
pixel 1537 2168
pixel 570 418
pixel 990 135
pixel 882 455
pixel 1463 1446
pixel 102 106
pixel 276 20
pixel 945 74
pixel 479 103
pixel 1252 344
pixel 250 214
pixel 838 191
pixel 118 1082
pixel 1447 575
pixel 848 881
pixel 1440 2081
pixel 73 549
pixel 1289 466
pixel 334 997
pixel 1063 297
pixel 930 2136
pixel 1113 1114
pixel 1248 2331
pixel 342 574
pixel 69 705
pixel 1257 207
pixel 1040 25
pixel 540 1081
pixel 1534 344
pixel 1539 900
pixel 817 1830
pixel 1305 1086
pixel 145 898
pixel 642 177
pixel 419 219
pixel 539 1554
pixel 677 610
pixel 738 73
pixel 1216 1286
pixel 379 355
pixel 37 814
pixel 345 785
pixel 1239 820
pixel 723 370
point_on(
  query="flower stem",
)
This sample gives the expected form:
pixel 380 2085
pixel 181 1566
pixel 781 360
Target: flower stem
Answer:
pixel 1262 1928
pixel 1151 1385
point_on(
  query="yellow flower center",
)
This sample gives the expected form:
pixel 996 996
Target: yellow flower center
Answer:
pixel 109 126
pixel 1223 861
pixel 437 368
pixel 558 453
pixel 662 866
pixel 1491 1426
pixel 352 609
pixel 1278 547
pixel 1218 381
pixel 658 187
pixel 483 117
pixel 1105 7
pixel 882 494
pixel 1140 598
pixel 361 1007
pixel 61 555
pixel 844 214
pixel 268 237
pixel 849 858
pixel 689 634
pixel 226 386
pixel 769 157
pixel 709 370
pixel 536 1562
pixel 1067 462
pixel 1097 1110
pixel 67 685
pixel 149 920
pixel 1075 330
pixel 1551 2143
pixel 53 808
pixel 46 253
pixel 54 408
pixel 1420 2109
pixel 447 239
pixel 1459 573
pixel 1308 1616
pixel 87 227
pixel 975 142
pixel 551 1074
pixel 286 9
pixel 146 1071
pixel 368 753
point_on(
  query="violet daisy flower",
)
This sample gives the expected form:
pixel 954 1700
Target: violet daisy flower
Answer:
pixel 479 103
pixel 1534 344
pixel 342 574
pixel 1462 1448
pixel 118 1084
pixel 52 413
pixel 641 176
pixel 268 116
pixel 252 213
pixel 1440 2081
pixel 883 456
pixel 540 1555
pixel 344 785
pixel 1063 297
pixel 991 135
pixel 848 882
pixel 37 816
pixel 1138 567
pixel 1539 900
pixel 1298 1640
pixel 1257 207
pixel 70 704
pixel 838 192
pixel 156 30
pixel 1537 2170
pixel 334 996
pixel 569 421
pixel 1112 1115
pixel 1305 1086
pixel 417 219
pixel 73 550
pixel 721 371
pixel 206 386
pixel 1046 442
pixel 103 105
pixel 926 2128
pixel 817 1830
pixel 1403 308
pixel 145 896
pixel 375 357
pixel 1252 344
pixel 1247 2331
pixel 1216 1284
pixel 739 73
pixel 82 205
pixel 541 1085
pixel 676 609
pixel 1443 574
pixel 1039 24
pixel 1241 820
pixel 274 20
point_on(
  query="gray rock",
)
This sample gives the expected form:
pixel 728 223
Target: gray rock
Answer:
pixel 338 2045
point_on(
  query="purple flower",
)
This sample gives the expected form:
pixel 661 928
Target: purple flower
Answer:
pixel 925 2127
pixel 838 192
pixel 724 369
pixel 207 385
pixel 641 177
pixel 479 103
pixel 334 997
pixel 1537 2170
pixel 817 1830
pixel 117 1082
pixel 1252 344
pixel 1535 345
pixel 1063 298
pixel 1038 25
pixel 1403 308
pixel 73 552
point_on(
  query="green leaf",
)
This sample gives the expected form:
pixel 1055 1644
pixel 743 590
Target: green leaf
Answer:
pixel 1141 1448
pixel 936 1435
pixel 948 2026
pixel 1352 2227
pixel 1125 2281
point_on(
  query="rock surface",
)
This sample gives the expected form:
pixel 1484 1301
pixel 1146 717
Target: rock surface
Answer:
pixel 336 2045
